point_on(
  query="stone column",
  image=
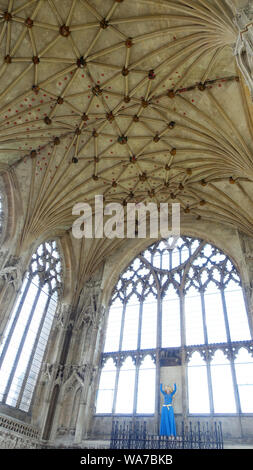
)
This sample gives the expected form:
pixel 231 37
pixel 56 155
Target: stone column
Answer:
pixel 53 373
pixel 93 315
pixel 48 374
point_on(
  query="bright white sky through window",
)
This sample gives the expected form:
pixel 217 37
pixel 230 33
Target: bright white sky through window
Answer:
pixel 28 329
pixel 197 287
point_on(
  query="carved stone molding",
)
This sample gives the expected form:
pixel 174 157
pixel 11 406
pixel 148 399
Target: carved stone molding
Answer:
pixel 11 273
pixel 91 312
pixel 63 315
pixel 17 435
pixel 9 440
pixel 244 45
pixel 173 356
pixel 62 373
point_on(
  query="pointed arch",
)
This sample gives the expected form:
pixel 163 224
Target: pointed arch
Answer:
pixel 27 332
pixel 171 303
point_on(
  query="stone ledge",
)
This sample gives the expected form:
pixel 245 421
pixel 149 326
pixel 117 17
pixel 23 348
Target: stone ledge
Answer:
pixel 19 427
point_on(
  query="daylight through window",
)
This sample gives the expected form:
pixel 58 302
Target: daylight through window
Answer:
pixel 186 303
pixel 27 332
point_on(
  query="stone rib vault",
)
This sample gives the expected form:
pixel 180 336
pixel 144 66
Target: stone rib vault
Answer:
pixel 136 100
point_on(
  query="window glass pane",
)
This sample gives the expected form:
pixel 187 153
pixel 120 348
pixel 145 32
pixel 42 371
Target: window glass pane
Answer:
pixel 198 385
pixel 206 269
pixel 215 322
pixel 131 324
pixel 12 317
pixel 125 393
pixel 113 327
pixel 166 260
pixel 222 385
pixel 193 318
pixel 157 260
pixel 244 375
pixel 38 354
pixel 175 258
pixel 19 329
pixel 184 254
pixel 28 345
pixel 171 335
pixel 146 387
pixel 104 401
pixel 149 323
pixel 30 321
pixel 237 316
pixel 106 388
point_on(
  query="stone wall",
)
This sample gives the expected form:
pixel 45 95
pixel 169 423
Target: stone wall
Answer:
pixel 64 403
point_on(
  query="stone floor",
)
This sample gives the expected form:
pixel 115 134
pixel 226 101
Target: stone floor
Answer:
pixel 238 444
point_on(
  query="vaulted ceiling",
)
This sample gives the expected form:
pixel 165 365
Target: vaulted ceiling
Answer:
pixel 138 100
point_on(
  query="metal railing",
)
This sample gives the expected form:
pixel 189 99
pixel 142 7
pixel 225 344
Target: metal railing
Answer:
pixel 192 436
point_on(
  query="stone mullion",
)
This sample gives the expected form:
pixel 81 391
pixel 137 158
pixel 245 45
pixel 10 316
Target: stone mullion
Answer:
pixel 140 325
pixel 210 385
pixel 235 386
pixel 116 386
pixel 122 326
pixel 225 315
pixel 137 367
pixel 208 369
pixel 136 382
pixel 236 390
pixel 204 317
pixel 157 390
pixel 158 367
pixel 185 406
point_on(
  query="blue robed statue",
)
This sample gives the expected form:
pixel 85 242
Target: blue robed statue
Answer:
pixel 168 425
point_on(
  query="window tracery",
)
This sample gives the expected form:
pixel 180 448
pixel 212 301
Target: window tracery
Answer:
pixel 27 332
pixel 171 304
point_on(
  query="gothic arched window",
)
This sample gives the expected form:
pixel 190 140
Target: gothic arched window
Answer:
pixel 28 329
pixel 179 307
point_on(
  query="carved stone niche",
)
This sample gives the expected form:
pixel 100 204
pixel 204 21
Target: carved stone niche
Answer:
pixel 170 357
pixel 244 45
pixel 11 273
